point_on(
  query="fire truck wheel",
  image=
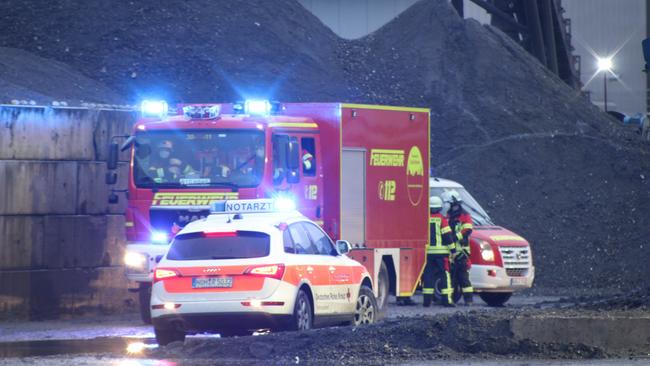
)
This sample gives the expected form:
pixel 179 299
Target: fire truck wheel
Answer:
pixel 303 317
pixel 144 301
pixel 495 299
pixel 366 310
pixel 165 336
pixel 383 287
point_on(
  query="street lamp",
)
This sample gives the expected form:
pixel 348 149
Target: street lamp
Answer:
pixel 605 66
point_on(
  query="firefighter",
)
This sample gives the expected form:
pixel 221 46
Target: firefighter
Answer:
pixel 307 160
pixel 438 251
pixel 461 224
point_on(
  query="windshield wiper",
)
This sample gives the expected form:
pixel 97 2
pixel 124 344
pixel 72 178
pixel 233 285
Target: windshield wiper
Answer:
pixel 232 186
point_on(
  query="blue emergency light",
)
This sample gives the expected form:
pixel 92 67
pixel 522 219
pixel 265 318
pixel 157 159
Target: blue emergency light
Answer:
pixel 154 108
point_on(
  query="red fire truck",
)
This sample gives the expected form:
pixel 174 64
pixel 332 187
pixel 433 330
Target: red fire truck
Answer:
pixel 360 171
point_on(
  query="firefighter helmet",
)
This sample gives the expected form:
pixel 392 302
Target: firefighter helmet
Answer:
pixel 435 202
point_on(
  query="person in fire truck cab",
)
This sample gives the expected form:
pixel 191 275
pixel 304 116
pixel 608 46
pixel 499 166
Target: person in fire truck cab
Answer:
pixel 461 224
pixel 164 167
pixel 438 251
pixel 307 161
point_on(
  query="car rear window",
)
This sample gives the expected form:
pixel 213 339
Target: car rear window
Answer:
pixel 199 246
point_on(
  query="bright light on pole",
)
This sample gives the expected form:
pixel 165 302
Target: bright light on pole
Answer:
pixel 605 66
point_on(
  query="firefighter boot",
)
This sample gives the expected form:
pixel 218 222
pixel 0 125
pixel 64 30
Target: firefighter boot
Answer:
pixel 468 298
pixel 427 300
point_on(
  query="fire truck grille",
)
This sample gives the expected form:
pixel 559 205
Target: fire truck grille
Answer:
pixel 164 219
pixel 516 260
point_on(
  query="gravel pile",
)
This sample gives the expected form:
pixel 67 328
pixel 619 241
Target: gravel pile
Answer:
pixel 543 161
pixel 458 336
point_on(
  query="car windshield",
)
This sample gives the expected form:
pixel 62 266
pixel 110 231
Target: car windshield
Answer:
pixel 479 216
pixel 242 244
pixel 199 158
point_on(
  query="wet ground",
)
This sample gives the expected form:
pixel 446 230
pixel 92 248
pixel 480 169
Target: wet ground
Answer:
pixel 473 336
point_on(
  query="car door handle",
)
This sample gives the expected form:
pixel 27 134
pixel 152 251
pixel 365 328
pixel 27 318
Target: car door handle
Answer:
pixel 332 268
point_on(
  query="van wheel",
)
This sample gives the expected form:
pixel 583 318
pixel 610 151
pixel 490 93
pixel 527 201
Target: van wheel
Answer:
pixel 303 318
pixel 144 301
pixel 383 287
pixel 165 336
pixel 366 309
pixel 495 299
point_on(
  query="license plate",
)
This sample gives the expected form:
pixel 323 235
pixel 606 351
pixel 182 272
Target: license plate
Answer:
pixel 518 281
pixel 212 282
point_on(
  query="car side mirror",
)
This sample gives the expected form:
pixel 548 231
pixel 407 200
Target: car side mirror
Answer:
pixel 343 247
pixel 111 178
pixel 113 150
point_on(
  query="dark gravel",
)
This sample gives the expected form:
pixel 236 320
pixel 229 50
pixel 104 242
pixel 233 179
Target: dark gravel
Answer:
pixel 466 336
pixel 546 163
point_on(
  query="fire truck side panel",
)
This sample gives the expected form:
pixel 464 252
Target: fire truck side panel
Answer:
pixel 395 143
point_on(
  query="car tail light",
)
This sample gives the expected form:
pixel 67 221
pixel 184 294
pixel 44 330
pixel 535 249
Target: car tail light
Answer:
pixel 219 234
pixel 272 271
pixel 163 273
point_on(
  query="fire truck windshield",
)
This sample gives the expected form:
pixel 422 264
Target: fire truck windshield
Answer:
pixel 198 158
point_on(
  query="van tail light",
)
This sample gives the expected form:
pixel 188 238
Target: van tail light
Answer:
pixel 164 273
pixel 272 271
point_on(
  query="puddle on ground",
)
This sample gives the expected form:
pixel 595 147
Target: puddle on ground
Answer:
pixel 113 345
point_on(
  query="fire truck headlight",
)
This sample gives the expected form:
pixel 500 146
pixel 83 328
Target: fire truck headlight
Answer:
pixel 135 259
pixel 257 107
pixel 159 237
pixel 486 251
pixel 284 204
pixel 154 108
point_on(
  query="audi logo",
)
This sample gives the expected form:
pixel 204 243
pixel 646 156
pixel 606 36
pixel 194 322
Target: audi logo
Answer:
pixel 211 270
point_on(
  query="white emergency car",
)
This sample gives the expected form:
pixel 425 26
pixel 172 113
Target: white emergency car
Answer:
pixel 252 265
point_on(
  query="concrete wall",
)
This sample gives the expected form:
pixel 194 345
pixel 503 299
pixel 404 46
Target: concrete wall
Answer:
pixel 61 244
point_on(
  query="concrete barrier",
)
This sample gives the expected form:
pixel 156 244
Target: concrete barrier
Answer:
pixel 41 294
pixel 606 332
pixel 61 243
pixel 29 187
pixel 60 134
pixel 41 242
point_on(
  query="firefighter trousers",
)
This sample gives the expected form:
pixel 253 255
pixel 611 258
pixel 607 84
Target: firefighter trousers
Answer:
pixel 462 277
pixel 437 270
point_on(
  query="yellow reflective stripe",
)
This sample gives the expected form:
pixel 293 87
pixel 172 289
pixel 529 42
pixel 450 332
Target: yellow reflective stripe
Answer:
pixel 507 238
pixel 129 224
pixel 427 291
pixel 466 226
pixel 437 250
pixel 385 107
pixel 291 124
pixel 468 289
pixel 445 230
